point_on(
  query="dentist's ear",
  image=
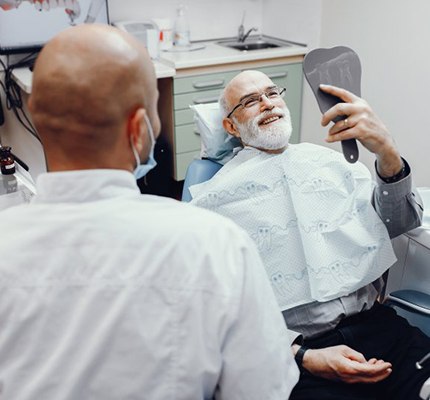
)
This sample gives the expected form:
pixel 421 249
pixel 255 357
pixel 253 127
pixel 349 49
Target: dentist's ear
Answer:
pixel 137 129
pixel 230 127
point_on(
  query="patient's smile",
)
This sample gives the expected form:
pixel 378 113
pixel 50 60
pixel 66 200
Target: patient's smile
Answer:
pixel 270 119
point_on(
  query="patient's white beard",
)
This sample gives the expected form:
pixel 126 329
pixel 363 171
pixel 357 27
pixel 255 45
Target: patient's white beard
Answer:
pixel 273 137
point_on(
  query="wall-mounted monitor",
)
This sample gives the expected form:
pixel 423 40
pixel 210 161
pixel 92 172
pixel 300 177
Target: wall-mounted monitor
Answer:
pixel 26 25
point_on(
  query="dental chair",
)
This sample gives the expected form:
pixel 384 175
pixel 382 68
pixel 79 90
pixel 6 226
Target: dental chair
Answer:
pixel 408 282
pixel 198 171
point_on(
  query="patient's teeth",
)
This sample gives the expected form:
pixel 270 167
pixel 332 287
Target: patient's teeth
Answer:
pixel 269 120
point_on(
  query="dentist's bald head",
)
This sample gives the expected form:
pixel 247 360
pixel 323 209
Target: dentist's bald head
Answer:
pixel 91 86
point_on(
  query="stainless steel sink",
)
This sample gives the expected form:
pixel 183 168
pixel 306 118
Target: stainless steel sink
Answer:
pixel 254 43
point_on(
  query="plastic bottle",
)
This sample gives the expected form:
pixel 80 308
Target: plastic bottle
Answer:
pixel 182 28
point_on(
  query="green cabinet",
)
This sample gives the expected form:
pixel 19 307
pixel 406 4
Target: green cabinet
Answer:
pixel 206 88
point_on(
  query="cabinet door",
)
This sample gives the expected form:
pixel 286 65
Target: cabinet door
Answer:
pixel 289 76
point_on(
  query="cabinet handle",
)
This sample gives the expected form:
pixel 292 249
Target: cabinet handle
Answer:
pixel 208 84
pixel 205 100
pixel 278 75
pixel 196 132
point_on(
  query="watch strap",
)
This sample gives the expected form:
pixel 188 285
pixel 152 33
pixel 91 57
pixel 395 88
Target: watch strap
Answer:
pixel 405 171
pixel 299 356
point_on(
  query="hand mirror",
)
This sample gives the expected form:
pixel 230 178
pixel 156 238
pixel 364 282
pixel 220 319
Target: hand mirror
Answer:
pixel 338 66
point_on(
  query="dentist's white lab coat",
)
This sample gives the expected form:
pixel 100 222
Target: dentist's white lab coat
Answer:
pixel 108 294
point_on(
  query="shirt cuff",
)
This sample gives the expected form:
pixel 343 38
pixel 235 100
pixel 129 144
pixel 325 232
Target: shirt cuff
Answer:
pixel 295 337
pixel 405 171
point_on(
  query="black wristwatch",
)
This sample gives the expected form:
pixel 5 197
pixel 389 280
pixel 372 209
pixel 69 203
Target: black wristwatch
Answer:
pixel 299 356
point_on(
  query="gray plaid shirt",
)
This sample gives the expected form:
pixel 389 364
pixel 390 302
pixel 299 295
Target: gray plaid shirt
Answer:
pixel 400 208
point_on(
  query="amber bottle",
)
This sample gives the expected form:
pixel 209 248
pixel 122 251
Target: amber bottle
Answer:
pixel 7 162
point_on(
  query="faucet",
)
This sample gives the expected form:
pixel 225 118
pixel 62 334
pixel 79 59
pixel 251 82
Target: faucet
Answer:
pixel 247 34
pixel 241 35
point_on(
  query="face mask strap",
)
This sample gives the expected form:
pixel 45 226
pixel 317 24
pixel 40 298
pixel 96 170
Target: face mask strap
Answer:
pixel 151 136
pixel 142 169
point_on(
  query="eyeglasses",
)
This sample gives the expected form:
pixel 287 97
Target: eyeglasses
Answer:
pixel 272 93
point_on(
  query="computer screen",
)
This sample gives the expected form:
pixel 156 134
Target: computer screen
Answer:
pixel 26 25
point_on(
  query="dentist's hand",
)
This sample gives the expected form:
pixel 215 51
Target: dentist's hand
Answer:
pixel 365 126
pixel 342 363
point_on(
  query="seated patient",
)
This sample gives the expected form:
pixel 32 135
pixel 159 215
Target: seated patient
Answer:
pixel 108 294
pixel 324 233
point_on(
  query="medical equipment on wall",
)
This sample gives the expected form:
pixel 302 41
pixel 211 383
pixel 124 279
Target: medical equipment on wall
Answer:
pixel 72 7
pixel 26 25
pixel 147 32
pixel 338 66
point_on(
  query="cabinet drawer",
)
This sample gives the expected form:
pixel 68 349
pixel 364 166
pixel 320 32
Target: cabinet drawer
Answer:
pixel 202 82
pixel 278 74
pixel 183 117
pixel 185 100
pixel 187 138
pixel 182 161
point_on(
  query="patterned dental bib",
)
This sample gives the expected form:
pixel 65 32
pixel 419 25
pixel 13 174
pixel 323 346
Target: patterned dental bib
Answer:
pixel 309 213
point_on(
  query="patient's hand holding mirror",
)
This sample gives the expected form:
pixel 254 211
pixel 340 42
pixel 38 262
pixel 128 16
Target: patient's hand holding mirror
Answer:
pixel 338 66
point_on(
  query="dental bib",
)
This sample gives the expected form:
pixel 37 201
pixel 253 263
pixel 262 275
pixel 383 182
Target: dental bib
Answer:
pixel 309 213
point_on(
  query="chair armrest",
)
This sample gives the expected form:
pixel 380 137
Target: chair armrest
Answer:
pixel 425 390
pixel 412 299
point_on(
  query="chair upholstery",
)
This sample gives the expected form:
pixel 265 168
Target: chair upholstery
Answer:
pixel 412 305
pixel 198 171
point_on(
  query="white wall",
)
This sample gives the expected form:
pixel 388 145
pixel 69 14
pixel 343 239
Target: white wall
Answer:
pixel 296 20
pixel 208 18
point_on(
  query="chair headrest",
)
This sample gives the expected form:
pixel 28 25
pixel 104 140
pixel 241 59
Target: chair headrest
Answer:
pixel 216 143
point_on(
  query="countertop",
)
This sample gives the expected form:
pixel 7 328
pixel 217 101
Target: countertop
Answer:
pixel 23 76
pixel 214 54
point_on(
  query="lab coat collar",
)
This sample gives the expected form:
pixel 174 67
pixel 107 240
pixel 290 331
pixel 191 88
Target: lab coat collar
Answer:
pixel 84 185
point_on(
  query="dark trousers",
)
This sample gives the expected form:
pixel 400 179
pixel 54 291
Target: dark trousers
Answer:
pixel 377 333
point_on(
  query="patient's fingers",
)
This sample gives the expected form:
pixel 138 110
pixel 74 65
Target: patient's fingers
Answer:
pixel 343 94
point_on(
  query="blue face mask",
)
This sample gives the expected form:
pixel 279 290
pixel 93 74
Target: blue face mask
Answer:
pixel 142 169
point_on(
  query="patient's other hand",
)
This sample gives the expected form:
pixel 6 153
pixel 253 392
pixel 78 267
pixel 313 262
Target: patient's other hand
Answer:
pixel 345 364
